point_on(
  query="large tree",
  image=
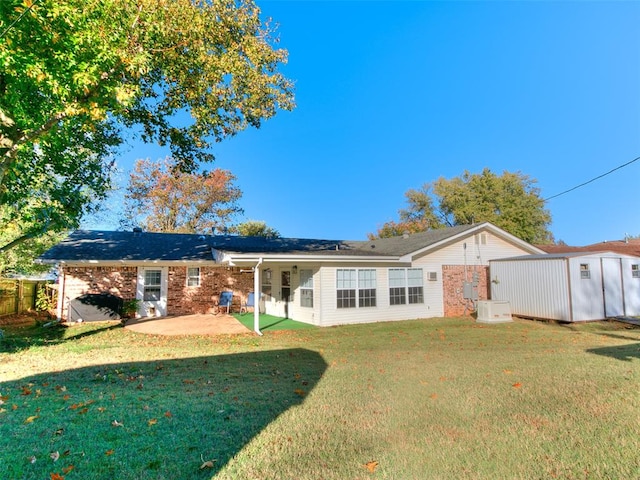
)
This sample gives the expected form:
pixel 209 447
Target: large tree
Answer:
pixel 510 201
pixel 77 77
pixel 161 198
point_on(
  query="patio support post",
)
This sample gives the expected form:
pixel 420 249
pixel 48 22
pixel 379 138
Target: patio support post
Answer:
pixel 256 297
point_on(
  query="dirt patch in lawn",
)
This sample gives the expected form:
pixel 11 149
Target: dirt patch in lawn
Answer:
pixel 199 324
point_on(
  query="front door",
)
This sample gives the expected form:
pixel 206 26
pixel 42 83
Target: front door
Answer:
pixel 152 291
pixel 285 290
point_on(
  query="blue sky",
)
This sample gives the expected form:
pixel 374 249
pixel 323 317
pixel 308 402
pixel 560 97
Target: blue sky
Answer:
pixel 391 95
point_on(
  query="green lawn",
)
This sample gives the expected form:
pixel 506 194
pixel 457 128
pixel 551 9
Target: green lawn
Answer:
pixel 424 399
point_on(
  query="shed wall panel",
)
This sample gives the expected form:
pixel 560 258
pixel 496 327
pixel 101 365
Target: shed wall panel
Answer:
pixel 587 300
pixel 534 288
pixel 631 286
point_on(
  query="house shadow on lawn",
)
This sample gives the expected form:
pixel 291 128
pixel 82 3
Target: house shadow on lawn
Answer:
pixel 156 419
pixel 623 352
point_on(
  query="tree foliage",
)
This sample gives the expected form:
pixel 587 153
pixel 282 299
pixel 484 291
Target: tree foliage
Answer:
pixel 161 198
pixel 510 201
pixel 78 77
pixel 257 228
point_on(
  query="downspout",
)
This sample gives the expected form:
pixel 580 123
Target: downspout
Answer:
pixel 256 297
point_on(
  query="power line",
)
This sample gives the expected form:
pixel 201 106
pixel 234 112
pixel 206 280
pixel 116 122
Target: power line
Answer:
pixel 593 179
pixel 19 18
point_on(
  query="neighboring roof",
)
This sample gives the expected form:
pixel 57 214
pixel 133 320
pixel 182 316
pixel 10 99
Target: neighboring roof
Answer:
pixel 562 256
pixel 104 246
pixel 628 247
pixel 91 245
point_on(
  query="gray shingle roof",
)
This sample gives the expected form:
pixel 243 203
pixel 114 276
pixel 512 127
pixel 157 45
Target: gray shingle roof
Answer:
pixel 86 245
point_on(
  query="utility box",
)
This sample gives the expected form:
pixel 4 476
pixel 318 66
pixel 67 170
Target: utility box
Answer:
pixel 494 311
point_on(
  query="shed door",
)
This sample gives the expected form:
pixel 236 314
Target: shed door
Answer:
pixel 612 286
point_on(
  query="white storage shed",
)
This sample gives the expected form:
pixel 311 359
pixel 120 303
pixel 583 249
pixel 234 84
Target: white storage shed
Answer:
pixel 571 287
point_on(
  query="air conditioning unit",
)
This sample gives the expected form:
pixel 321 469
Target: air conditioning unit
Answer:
pixel 494 311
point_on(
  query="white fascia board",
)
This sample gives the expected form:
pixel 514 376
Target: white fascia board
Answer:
pixel 235 259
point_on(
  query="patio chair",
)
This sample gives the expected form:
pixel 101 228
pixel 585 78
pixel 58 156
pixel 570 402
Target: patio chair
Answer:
pixel 249 303
pixel 225 301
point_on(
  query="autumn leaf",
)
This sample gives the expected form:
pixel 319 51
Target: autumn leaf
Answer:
pixel 152 421
pixel 32 459
pixel 56 476
pixel 434 396
pixel 31 418
pixel 26 391
pixel 101 409
pixel 83 411
pixel 207 464
pixel 54 456
pixel 59 431
pixel 299 391
pixel 371 466
pixel 110 452
pixel 66 397
pixel 507 372
pixel 66 470
pixel 116 423
pixel 517 385
pixel 168 414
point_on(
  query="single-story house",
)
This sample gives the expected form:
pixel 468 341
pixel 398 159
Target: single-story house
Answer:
pixel 321 282
pixel 569 287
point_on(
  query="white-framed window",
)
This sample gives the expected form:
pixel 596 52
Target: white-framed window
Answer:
pixel 267 278
pixel 432 276
pixel 152 281
pixel 635 270
pixel 193 277
pixel 406 285
pixel 346 288
pixel 306 288
pixel 585 273
pixel 356 287
pixel 367 287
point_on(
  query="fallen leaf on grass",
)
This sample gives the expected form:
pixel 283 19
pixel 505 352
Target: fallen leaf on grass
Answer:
pixel 371 466
pixel 299 391
pixel 110 452
pixel 116 423
pixel 168 414
pixel 26 391
pixel 59 431
pixel 32 459
pixel 152 421
pixel 56 476
pixel 207 464
pixel 517 385
pixel 54 456
pixel 434 396
pixel 31 418
pixel 66 470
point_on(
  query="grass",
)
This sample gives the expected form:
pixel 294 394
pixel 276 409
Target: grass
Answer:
pixel 269 323
pixel 424 399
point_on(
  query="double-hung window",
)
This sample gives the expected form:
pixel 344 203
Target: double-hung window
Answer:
pixel 306 288
pixel 193 277
pixel 367 288
pixel 152 279
pixel 635 270
pixel 406 286
pixel 346 288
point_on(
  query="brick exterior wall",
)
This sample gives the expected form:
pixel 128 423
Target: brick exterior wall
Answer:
pixel 453 278
pixel 181 299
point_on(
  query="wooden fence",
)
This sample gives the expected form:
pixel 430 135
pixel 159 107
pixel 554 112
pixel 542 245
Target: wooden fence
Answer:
pixel 19 296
